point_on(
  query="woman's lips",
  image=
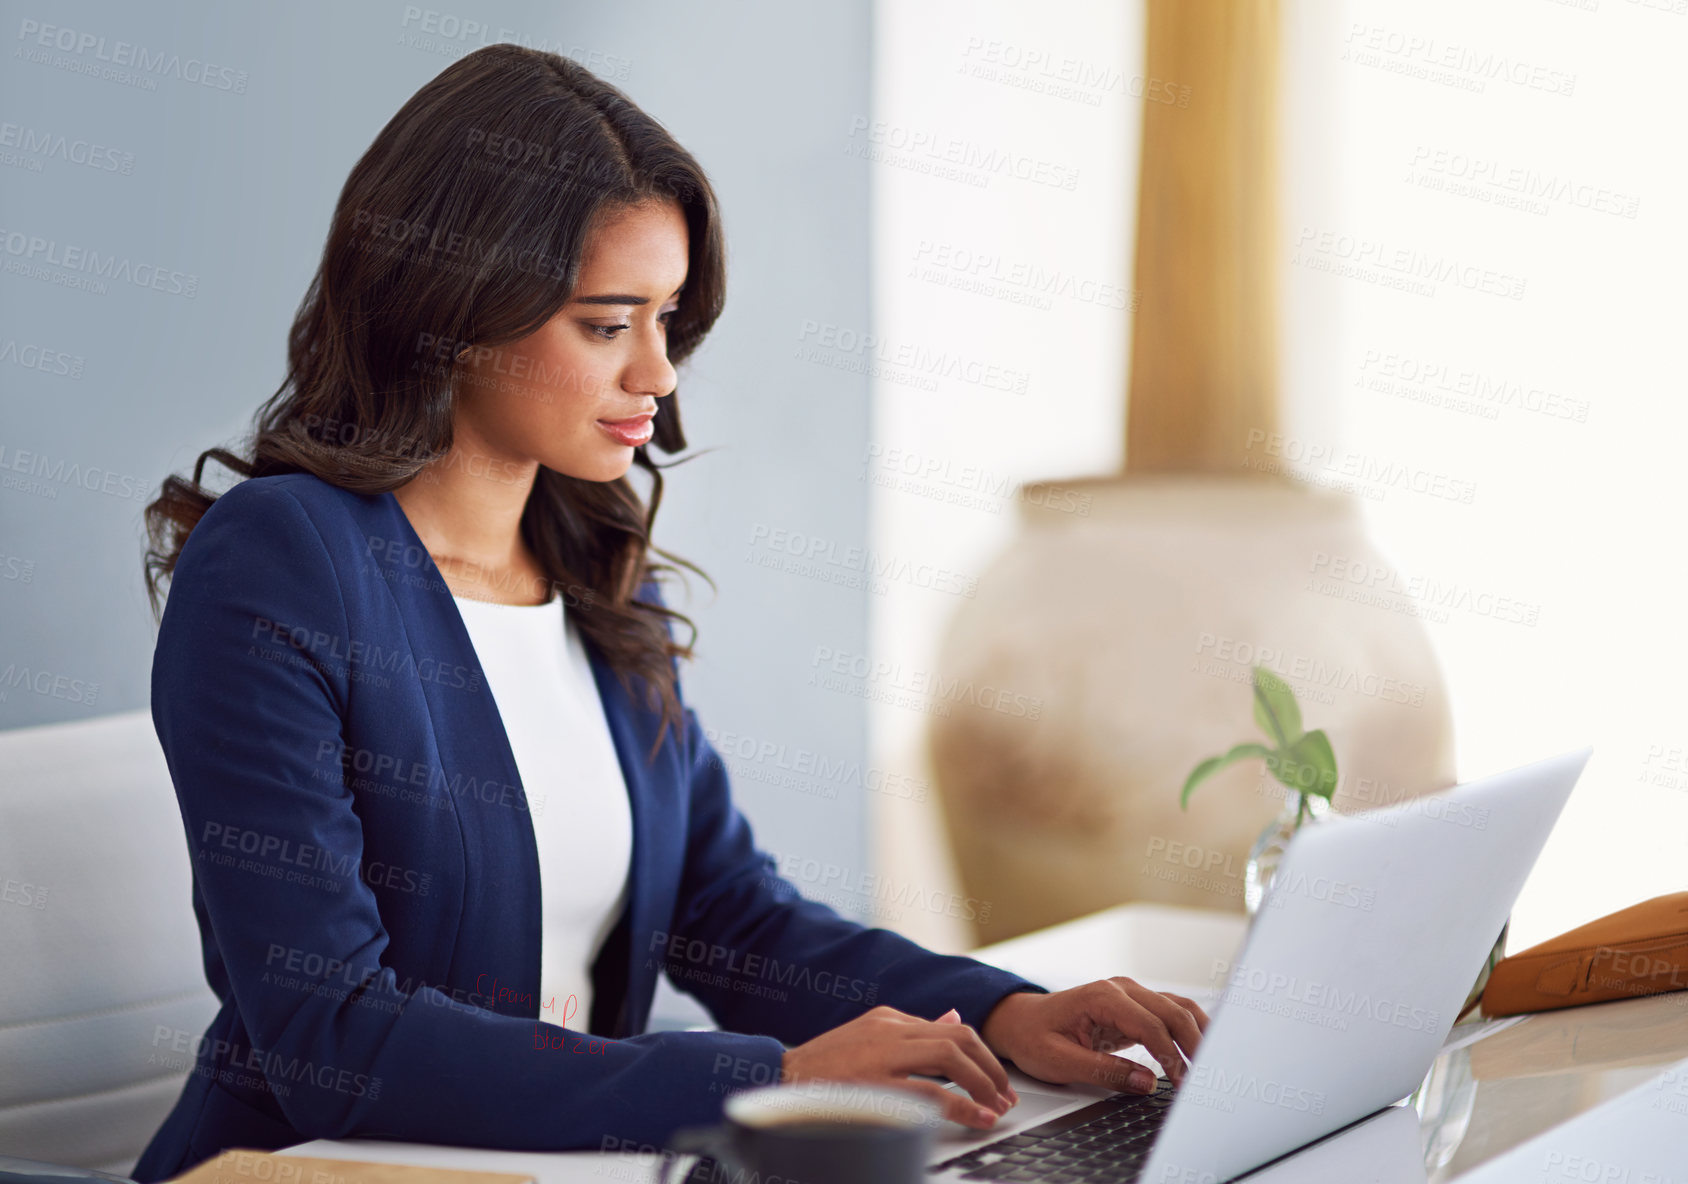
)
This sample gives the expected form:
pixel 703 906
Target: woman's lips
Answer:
pixel 630 432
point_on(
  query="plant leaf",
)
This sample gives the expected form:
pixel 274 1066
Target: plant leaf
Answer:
pixel 1213 764
pixel 1275 708
pixel 1307 766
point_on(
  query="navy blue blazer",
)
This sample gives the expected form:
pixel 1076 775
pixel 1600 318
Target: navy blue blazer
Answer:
pixel 367 886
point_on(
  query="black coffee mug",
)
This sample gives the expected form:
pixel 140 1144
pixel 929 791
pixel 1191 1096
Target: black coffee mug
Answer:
pixel 816 1132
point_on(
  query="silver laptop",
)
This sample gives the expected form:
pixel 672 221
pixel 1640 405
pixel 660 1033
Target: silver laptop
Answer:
pixel 1369 939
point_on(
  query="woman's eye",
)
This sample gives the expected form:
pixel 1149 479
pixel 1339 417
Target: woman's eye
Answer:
pixel 611 332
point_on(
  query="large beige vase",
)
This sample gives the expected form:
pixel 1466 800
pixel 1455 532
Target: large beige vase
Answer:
pixel 1111 647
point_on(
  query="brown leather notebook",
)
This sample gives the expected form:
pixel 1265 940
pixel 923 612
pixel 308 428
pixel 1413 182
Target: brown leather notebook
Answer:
pixel 1641 950
pixel 261 1167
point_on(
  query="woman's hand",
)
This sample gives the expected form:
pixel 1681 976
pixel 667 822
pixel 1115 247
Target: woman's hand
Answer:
pixel 1069 1036
pixel 884 1046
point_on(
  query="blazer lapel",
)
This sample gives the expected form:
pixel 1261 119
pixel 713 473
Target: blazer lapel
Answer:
pixel 658 844
pixel 495 938
pixel 498 934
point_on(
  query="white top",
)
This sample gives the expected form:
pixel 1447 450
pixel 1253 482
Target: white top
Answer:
pixel 537 670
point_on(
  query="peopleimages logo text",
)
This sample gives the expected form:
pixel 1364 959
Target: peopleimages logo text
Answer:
pixel 36 252
pixel 272 1065
pixel 1244 980
pixel 678 951
pixel 129 55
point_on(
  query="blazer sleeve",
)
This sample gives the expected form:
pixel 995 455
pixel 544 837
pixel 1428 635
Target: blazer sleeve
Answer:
pixel 354 1052
pixel 764 959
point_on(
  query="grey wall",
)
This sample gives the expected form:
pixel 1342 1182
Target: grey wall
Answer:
pixel 112 390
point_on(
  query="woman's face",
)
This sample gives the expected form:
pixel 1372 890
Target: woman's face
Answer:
pixel 578 394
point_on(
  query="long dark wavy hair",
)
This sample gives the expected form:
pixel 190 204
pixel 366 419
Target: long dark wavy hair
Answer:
pixel 465 223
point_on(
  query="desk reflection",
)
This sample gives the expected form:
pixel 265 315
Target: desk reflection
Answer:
pixel 1480 1101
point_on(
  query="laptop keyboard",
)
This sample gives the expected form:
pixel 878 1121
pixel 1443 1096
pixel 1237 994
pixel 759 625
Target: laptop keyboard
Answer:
pixel 1106 1140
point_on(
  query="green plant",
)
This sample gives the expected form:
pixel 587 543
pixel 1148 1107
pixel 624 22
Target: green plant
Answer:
pixel 1300 760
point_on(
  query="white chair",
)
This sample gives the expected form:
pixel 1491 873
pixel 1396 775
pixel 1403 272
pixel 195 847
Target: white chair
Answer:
pixel 99 953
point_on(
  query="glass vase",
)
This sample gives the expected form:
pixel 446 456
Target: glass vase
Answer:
pixel 1299 810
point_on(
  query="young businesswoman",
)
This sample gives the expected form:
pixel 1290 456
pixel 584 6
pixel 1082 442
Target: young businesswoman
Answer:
pixel 448 811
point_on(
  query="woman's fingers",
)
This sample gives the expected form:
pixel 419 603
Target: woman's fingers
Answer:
pixel 1117 1073
pixel 1177 1019
pixel 1114 1006
pixel 1067 1061
pixel 1191 1006
pixel 984 1056
pixel 957 1107
pixel 969 1063
pixel 943 1057
pixel 890 1013
pixel 1071 1035
pixel 971 1043
pixel 889 1045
